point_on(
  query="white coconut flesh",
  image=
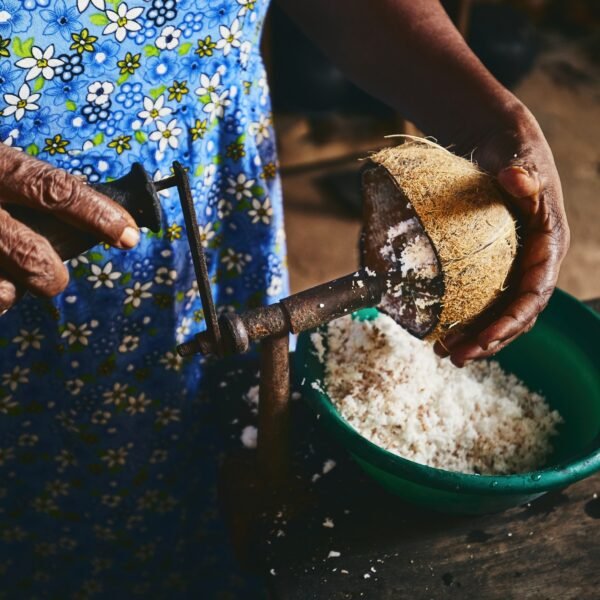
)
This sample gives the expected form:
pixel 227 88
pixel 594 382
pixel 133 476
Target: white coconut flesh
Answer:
pixel 395 243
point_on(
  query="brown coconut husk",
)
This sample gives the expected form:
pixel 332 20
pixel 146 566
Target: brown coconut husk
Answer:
pixel 463 214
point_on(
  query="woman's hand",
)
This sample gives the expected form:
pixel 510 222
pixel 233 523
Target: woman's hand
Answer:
pixel 410 55
pixel 519 156
pixel 27 260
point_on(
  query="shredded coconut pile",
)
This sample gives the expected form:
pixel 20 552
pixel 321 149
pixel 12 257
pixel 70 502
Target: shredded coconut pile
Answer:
pixel 396 392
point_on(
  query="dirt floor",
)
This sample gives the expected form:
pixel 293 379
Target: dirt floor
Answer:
pixel 322 213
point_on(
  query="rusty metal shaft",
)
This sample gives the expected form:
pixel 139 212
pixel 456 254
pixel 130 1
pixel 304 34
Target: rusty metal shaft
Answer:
pixel 302 311
pixel 274 410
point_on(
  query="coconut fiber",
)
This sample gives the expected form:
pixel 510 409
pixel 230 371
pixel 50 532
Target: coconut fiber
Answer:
pixel 428 198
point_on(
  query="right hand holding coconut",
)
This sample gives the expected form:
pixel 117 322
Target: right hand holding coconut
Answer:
pixel 27 260
pixel 420 64
pixel 522 161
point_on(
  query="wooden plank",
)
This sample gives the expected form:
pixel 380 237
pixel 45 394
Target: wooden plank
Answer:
pixel 547 550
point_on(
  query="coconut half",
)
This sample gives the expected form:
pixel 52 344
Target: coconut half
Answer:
pixel 440 228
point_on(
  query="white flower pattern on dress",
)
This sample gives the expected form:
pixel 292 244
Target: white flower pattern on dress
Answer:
pixel 169 38
pixel 16 377
pixel 100 417
pixel 166 134
pixel 83 4
pixel 99 92
pixel 41 62
pixel 28 339
pixel 116 395
pixel 208 85
pixel 20 104
pixel 230 37
pixel 217 105
pixel 235 261
pixel 123 21
pixel 261 212
pixel 137 293
pixel 103 276
pixel 77 334
pixel 240 187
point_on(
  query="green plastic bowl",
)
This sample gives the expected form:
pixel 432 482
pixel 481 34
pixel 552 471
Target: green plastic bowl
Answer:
pixel 558 357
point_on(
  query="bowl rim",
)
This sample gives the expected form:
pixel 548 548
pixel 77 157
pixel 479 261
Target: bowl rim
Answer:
pixel 541 480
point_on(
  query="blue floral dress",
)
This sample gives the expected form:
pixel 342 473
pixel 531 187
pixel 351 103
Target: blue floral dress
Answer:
pixel 107 464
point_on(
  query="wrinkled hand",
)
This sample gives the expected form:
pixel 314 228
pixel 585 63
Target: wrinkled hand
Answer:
pixel 520 158
pixel 27 260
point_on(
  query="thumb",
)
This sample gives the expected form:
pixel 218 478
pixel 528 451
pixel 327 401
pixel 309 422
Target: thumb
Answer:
pixel 38 185
pixel 519 182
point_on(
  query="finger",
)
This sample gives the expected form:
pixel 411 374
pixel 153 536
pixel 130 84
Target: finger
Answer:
pixel 470 335
pixel 9 294
pixel 533 281
pixel 29 259
pixel 443 347
pixel 473 351
pixel 545 244
pixel 39 185
pixel 465 333
pixel 525 191
pixel 67 240
pixel 519 182
pixel 520 313
pixel 537 279
pixel 523 165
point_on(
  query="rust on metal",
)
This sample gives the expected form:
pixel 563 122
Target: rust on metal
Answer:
pixel 233 334
pixel 334 299
pixel 201 343
pixel 265 321
pixel 274 409
pixel 302 311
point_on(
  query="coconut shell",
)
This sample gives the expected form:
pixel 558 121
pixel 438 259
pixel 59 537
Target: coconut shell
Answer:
pixel 464 215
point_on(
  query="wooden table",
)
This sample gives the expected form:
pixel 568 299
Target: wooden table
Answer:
pixel 337 535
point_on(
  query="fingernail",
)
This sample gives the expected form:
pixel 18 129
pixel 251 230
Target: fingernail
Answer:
pixel 130 237
pixel 440 350
pixel 519 182
pixel 518 169
pixel 457 363
pixel 492 345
